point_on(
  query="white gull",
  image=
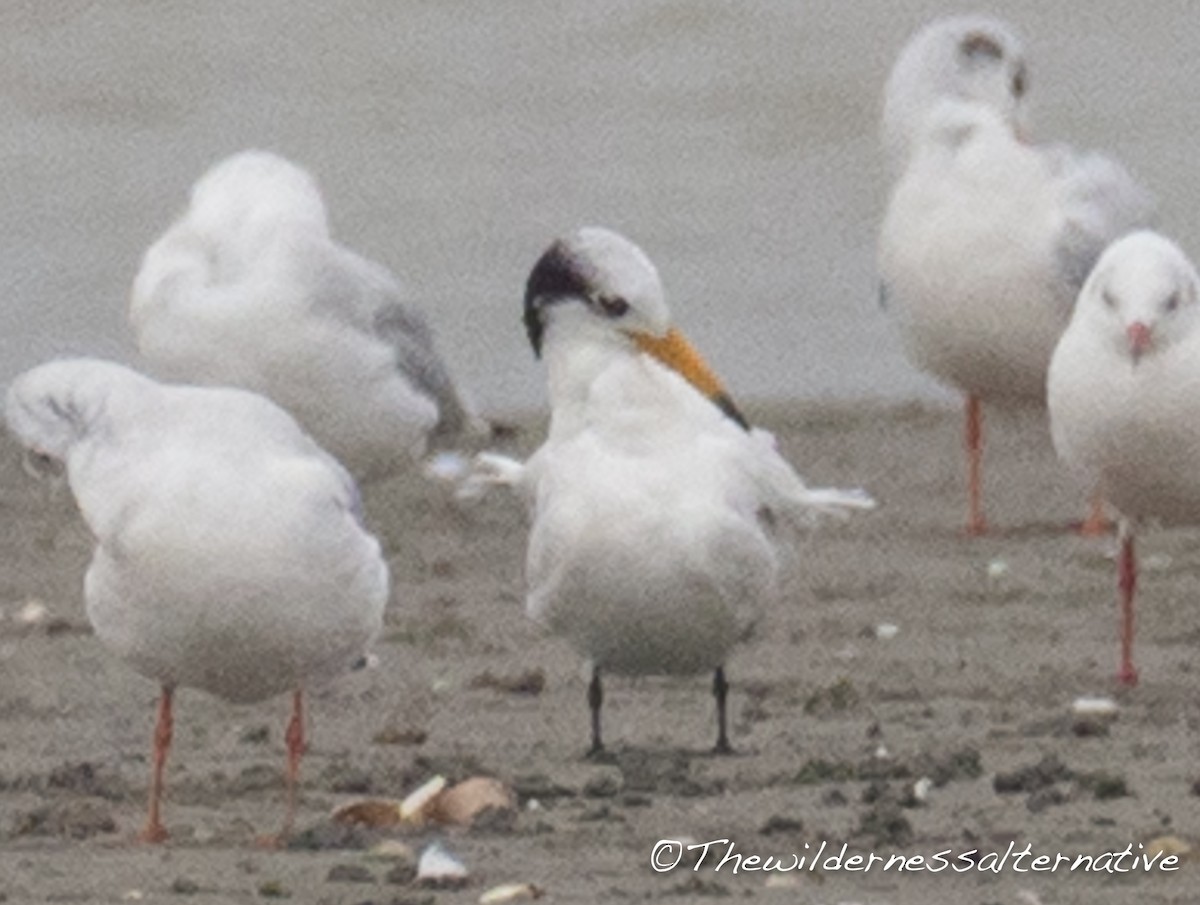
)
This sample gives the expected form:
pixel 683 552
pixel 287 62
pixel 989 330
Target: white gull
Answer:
pixel 249 289
pixel 1124 396
pixel 987 237
pixel 230 551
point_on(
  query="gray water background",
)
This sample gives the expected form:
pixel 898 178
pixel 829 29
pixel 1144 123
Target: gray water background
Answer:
pixel 735 141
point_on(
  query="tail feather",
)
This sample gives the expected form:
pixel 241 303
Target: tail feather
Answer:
pixel 836 502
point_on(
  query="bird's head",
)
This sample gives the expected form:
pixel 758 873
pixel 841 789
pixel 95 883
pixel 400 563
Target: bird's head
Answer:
pixel 247 196
pixel 52 407
pixel 597 283
pixel 972 60
pixel 1142 295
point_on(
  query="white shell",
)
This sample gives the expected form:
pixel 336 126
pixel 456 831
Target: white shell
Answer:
pixel 886 631
pixel 511 892
pixel 391 850
pixel 415 806
pixel 922 787
pixel 1094 707
pixel 32 613
pixel 437 867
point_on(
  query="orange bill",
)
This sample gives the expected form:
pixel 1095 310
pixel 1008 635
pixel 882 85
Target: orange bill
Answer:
pixel 681 356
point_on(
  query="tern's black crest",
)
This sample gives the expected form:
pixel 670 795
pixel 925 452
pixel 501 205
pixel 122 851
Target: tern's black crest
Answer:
pixel 555 277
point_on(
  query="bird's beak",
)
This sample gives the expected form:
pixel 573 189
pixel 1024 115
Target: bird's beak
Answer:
pixel 674 351
pixel 1139 338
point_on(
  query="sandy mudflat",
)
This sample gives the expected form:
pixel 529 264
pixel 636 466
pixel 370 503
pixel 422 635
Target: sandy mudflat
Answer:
pixel 976 684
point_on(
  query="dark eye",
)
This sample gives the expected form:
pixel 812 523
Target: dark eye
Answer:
pixel 1172 302
pixel 1019 83
pixel 1109 301
pixel 613 306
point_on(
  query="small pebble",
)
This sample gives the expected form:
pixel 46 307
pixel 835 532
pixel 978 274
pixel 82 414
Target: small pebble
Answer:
pixel 273 889
pixel 349 873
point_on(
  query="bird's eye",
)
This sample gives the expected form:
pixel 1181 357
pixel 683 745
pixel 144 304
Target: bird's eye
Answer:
pixel 1109 301
pixel 1019 83
pixel 1172 302
pixel 613 306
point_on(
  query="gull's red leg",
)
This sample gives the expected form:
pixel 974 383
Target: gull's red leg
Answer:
pixel 296 746
pixel 1127 585
pixel 154 831
pixel 976 524
pixel 1096 524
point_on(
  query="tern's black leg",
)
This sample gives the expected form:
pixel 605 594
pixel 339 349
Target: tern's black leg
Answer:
pixel 720 692
pixel 595 699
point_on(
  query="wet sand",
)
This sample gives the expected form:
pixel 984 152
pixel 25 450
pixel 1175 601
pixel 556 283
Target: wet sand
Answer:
pixel 996 637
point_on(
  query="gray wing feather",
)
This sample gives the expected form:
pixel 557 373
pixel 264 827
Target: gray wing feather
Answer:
pixel 1103 202
pixel 372 297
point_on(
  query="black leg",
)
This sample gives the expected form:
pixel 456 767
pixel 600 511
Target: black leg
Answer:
pixel 595 699
pixel 720 692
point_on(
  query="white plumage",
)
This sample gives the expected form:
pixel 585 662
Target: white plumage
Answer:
pixel 230 553
pixel 652 548
pixel 987 238
pixel 1124 393
pixel 249 289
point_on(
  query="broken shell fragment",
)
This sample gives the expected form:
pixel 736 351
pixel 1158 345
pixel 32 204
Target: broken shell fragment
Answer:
pixel 1092 715
pixel 511 892
pixel 885 631
pixel 32 613
pixel 1165 846
pixel 432 803
pixel 461 804
pixel 921 789
pixel 370 812
pixel 416 807
pixel 1094 707
pixel 441 869
pixel 391 850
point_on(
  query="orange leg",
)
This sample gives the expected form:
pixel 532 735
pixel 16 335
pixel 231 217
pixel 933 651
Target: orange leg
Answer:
pixel 976 524
pixel 154 831
pixel 1097 523
pixel 1127 585
pixel 296 746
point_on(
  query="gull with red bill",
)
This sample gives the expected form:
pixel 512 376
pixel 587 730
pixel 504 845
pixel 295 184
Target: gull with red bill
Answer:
pixel 987 237
pixel 1124 396
pixel 655 507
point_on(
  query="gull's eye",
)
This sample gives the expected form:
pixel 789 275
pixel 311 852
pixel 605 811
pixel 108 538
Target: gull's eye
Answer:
pixel 1109 301
pixel 613 306
pixel 1172 302
pixel 1019 83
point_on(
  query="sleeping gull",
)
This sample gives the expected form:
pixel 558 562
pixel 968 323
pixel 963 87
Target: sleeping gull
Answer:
pixel 987 238
pixel 1124 395
pixel 230 552
pixel 654 505
pixel 248 289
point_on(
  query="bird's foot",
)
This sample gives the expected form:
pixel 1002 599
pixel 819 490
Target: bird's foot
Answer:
pixel 153 834
pixel 1127 676
pixel 598 754
pixel 1094 527
pixel 977 527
